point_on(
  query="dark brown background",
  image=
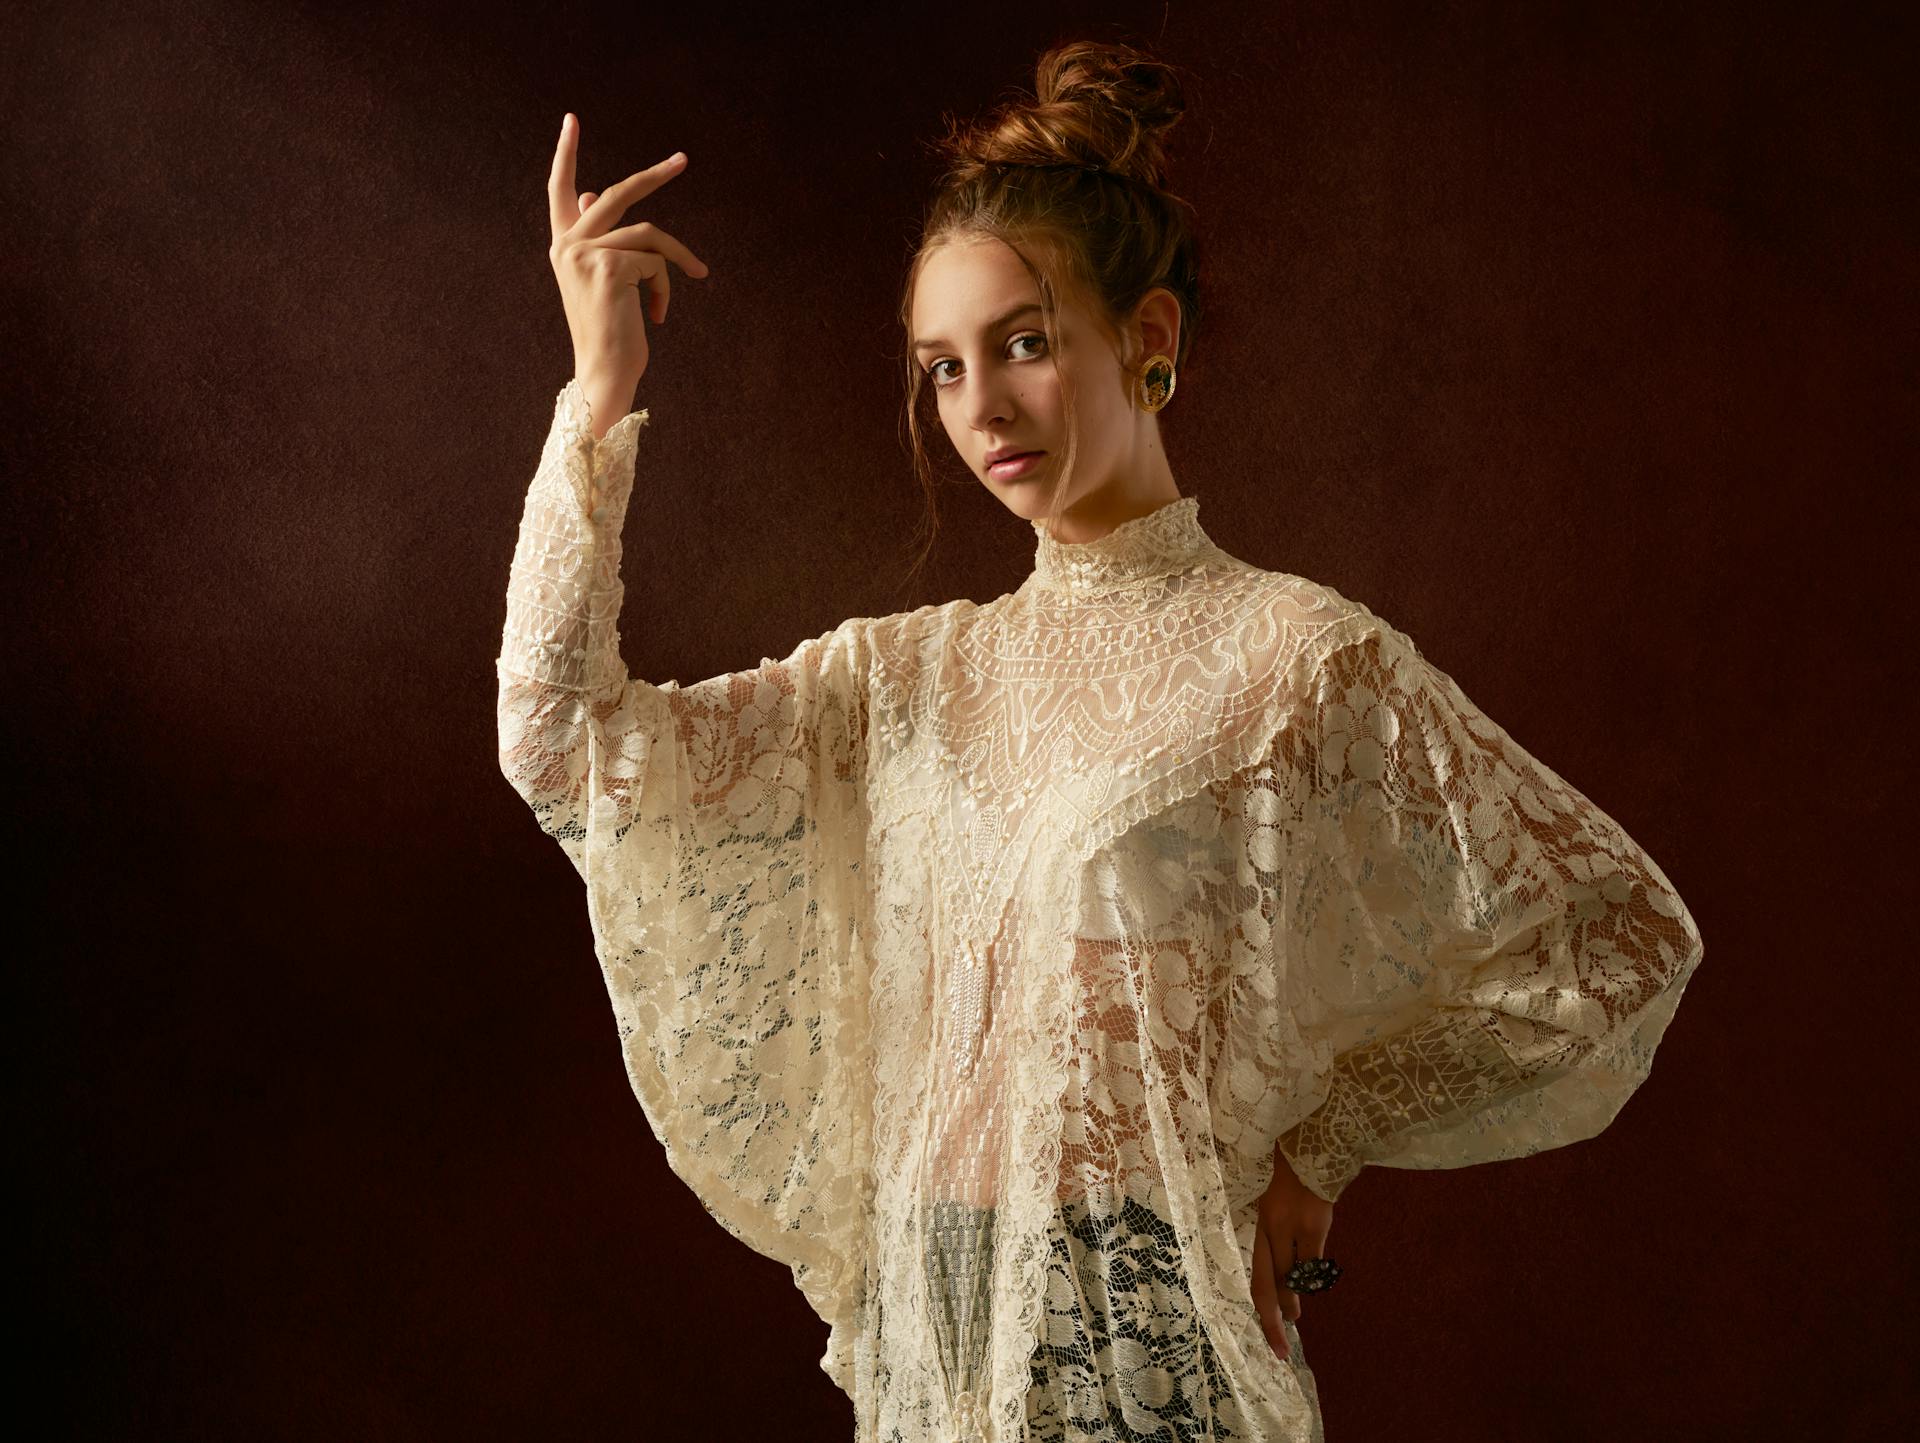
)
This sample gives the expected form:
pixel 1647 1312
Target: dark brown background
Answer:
pixel 1574 339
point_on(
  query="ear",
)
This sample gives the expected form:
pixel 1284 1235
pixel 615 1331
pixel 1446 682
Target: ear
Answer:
pixel 1156 325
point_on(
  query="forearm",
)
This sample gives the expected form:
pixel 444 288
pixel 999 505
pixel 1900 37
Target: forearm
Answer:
pixel 564 588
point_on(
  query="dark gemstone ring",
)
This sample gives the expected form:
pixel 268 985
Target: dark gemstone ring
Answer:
pixel 1313 1275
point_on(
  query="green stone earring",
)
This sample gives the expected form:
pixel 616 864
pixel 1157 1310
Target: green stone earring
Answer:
pixel 1156 382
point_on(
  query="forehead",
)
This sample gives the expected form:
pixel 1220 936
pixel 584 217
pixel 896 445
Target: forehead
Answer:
pixel 962 283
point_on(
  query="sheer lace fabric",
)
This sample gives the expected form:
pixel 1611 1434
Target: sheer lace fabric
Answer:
pixel 974 961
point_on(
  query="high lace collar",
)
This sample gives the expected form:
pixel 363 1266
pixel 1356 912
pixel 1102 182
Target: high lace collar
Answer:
pixel 1158 544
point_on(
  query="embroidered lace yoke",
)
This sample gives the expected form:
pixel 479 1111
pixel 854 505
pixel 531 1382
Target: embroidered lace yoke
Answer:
pixel 973 961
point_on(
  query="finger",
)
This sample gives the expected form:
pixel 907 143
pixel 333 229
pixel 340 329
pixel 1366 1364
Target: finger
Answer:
pixel 1265 1301
pixel 1309 1241
pixel 586 199
pixel 1286 1301
pixel 648 236
pixel 653 274
pixel 560 178
pixel 616 198
pixel 649 277
pixel 1310 1236
pixel 1289 1299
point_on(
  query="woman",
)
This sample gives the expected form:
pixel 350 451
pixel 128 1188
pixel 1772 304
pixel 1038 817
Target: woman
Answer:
pixel 1033 976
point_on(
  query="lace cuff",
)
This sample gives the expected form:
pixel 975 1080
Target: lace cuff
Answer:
pixel 1441 1070
pixel 564 589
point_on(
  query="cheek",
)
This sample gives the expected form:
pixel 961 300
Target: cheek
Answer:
pixel 1097 411
pixel 1043 398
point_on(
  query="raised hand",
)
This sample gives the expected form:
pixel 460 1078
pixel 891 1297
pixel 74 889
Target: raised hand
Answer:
pixel 602 271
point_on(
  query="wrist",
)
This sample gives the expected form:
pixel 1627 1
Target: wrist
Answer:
pixel 609 396
pixel 1319 1157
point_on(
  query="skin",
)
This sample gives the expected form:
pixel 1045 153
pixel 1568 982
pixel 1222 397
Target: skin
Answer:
pixel 998 386
pixel 606 274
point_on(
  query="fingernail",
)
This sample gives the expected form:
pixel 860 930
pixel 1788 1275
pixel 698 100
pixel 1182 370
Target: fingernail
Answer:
pixel 677 157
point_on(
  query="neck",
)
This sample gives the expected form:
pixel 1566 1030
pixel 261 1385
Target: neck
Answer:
pixel 1144 485
pixel 1092 517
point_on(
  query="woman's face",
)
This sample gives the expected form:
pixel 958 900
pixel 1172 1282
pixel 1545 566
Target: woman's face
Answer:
pixel 978 333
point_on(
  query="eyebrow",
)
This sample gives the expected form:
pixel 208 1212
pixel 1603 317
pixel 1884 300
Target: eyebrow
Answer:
pixel 993 325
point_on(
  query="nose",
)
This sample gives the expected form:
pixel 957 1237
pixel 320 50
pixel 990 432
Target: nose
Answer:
pixel 989 406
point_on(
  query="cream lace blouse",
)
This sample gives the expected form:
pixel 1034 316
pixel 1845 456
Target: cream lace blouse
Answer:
pixel 1015 936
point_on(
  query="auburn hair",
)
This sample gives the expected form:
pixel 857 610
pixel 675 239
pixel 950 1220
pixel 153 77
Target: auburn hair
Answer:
pixel 1074 181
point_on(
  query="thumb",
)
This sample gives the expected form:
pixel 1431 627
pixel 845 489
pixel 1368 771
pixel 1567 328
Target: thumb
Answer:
pixel 587 198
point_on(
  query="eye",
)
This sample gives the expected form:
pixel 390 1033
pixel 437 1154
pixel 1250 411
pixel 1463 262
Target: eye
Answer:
pixel 1039 337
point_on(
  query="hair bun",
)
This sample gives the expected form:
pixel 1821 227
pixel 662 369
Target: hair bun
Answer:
pixel 1098 104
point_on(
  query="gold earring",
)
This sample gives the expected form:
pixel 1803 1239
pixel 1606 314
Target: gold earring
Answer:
pixel 1156 382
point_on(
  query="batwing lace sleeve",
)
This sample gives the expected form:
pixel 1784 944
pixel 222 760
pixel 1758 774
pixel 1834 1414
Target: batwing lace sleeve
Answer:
pixel 720 830
pixel 1490 956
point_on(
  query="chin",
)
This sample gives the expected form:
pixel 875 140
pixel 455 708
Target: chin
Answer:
pixel 1028 503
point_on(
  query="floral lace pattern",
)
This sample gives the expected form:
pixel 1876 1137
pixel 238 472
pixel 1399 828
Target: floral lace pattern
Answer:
pixel 976 962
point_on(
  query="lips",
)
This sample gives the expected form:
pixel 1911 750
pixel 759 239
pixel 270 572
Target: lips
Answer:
pixel 1009 456
pixel 1016 467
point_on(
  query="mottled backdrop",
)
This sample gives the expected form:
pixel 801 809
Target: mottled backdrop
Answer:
pixel 1574 339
